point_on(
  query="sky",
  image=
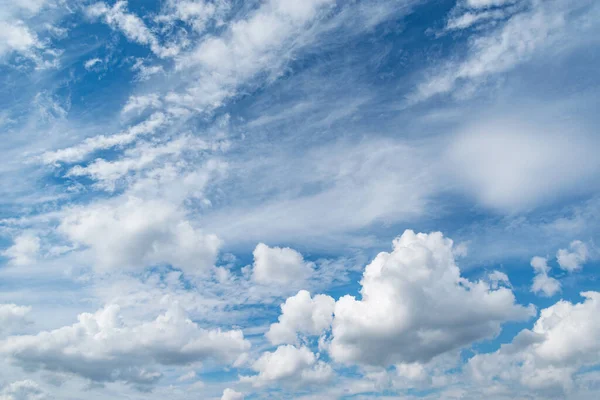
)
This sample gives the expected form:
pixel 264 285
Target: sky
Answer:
pixel 299 199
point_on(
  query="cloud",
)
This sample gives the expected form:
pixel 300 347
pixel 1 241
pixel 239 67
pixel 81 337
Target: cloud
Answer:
pixel 138 104
pixel 504 48
pixel 24 250
pixel 230 394
pixel 572 260
pixel 132 26
pixel 415 306
pixel 301 314
pixel 102 142
pixel 276 265
pixel 514 165
pixel 542 283
pixel 23 390
pixel 103 348
pixel 12 315
pixel 136 233
pixel 562 341
pixel 289 364
pixel 16 36
pixel 89 64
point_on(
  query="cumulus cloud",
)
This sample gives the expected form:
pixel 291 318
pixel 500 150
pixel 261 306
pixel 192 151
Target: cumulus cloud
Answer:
pixel 542 283
pixel 136 233
pixel 276 265
pixel 289 364
pixel 24 250
pixel 103 348
pixel 563 340
pixel 301 314
pixel 23 390
pixel 415 305
pixel 230 394
pixel 573 258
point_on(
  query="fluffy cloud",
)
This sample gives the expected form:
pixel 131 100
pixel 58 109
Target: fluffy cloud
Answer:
pixel 101 347
pixel 276 265
pixel 415 305
pixel 563 340
pixel 12 315
pixel 230 394
pixel 573 258
pixel 301 314
pixel 542 283
pixel 137 233
pixel 23 390
pixel 289 364
pixel 24 250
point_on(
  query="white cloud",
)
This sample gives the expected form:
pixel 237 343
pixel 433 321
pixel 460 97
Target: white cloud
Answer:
pixel 504 48
pixel 415 306
pixel 24 250
pixel 488 3
pixel 89 64
pixel 301 314
pixel 289 364
pixel 102 142
pixel 103 348
pixel 542 283
pixel 573 258
pixel 12 315
pixel 230 394
pixel 276 265
pixel 563 340
pixel 23 390
pixel 261 42
pixel 132 26
pixel 512 165
pixel 139 104
pixel 137 233
pixel 16 36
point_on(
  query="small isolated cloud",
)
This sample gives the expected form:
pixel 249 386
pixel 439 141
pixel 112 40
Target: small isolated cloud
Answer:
pixel 276 265
pixel 573 258
pixel 542 283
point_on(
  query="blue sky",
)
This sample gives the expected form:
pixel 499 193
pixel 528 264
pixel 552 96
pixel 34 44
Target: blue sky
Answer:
pixel 317 199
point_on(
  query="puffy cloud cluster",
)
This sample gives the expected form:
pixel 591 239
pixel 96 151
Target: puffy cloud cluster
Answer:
pixel 301 314
pixel 542 283
pixel 137 233
pixel 276 265
pixel 573 258
pixel 415 305
pixel 291 365
pixel 103 348
pixel 563 340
